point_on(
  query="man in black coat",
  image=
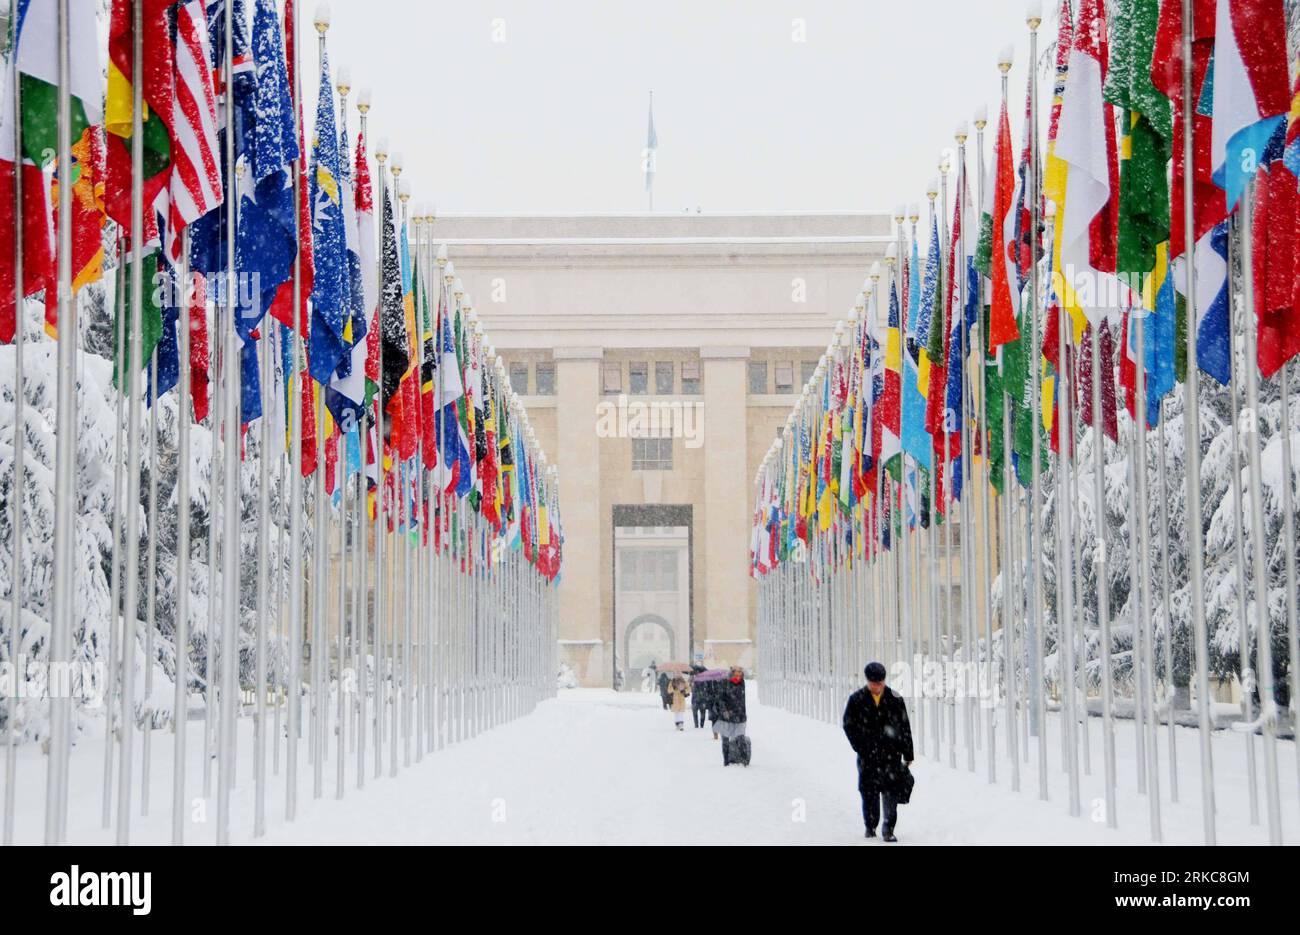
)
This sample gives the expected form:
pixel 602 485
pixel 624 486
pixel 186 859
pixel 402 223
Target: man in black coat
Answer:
pixel 875 721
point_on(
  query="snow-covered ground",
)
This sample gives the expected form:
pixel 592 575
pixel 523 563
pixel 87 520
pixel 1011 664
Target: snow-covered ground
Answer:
pixel 595 767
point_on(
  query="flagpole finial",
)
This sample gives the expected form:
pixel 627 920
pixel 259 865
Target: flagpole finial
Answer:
pixel 932 189
pixel 395 164
pixel 363 100
pixel 981 117
pixel 945 167
pixel 860 303
pixel 449 274
pixel 322 17
pixel 899 213
pixel 914 213
pixel 442 256
pixel 1049 209
pixel 343 80
pixel 1034 14
pixel 875 273
pixel 458 288
pixel 403 185
pixel 1005 58
pixel 961 133
pixel 381 150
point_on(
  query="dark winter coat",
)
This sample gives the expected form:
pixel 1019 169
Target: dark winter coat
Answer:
pixel 700 693
pixel 880 735
pixel 729 701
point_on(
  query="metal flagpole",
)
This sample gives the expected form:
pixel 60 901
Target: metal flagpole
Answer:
pixel 20 479
pixel 1192 428
pixel 318 711
pixel 266 447
pixel 1243 631
pixel 60 645
pixel 1038 699
pixel 1267 720
pixel 1102 575
pixel 114 602
pixel 935 654
pixel 230 429
pixel 211 662
pixel 381 493
pixel 132 374
pixel 1076 557
pixel 1288 540
pixel 986 579
pixel 1066 621
pixel 181 637
pixel 293 392
pixel 1147 670
pixel 1008 557
pixel 967 683
pixel 1165 588
pixel 280 693
pixel 151 584
pixel 408 548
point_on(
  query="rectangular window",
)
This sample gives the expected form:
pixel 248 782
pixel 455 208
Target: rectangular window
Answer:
pixel 806 370
pixel 785 377
pixel 667 570
pixel 629 569
pixel 613 384
pixel 652 454
pixel 758 376
pixel 638 378
pixel 690 377
pixel 519 378
pixel 664 378
pixel 544 376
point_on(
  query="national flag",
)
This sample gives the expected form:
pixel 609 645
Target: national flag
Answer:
pixel 346 393
pixel 330 290
pixel 1277 241
pixel 1250 89
pixel 1167 76
pixel 1086 143
pixel 1147 141
pixel 1005 298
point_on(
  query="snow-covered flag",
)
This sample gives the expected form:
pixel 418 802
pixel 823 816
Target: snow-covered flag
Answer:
pixel 1213 343
pixel 330 289
pixel 1249 89
pixel 454 456
pixel 346 393
pixel 265 148
pixel 1005 298
pixel 1086 143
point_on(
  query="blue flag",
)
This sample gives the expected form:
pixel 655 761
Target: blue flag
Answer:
pixel 329 295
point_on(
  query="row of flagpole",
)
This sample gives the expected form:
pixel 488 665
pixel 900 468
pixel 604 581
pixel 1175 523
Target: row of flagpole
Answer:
pixel 445 510
pixel 852 553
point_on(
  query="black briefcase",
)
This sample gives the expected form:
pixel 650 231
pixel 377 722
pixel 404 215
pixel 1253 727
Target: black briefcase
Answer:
pixel 903 790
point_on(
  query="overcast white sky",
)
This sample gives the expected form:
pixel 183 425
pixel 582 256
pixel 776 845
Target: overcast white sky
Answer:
pixel 553 118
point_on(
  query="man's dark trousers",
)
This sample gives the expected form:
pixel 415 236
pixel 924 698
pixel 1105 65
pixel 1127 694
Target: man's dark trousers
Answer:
pixel 871 796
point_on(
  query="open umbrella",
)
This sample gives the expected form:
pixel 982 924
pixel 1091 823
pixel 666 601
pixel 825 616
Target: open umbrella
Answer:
pixel 711 675
pixel 675 667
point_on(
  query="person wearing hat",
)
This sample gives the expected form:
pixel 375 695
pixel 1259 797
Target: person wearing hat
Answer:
pixel 875 722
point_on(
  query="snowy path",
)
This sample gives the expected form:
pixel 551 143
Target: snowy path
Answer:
pixel 593 766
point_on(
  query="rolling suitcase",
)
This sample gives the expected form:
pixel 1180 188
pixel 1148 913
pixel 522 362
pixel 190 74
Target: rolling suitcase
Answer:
pixel 741 749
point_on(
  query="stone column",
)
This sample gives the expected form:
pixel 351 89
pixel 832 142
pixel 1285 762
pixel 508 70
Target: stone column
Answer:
pixel 724 586
pixel 577 385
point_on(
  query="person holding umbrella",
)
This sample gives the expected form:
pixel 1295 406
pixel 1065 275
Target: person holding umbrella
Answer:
pixel 875 722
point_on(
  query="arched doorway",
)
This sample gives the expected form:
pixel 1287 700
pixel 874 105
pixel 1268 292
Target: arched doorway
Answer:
pixel 648 639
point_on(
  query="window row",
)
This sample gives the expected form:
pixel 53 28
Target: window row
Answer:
pixel 638 377
pixel 543 378
pixel 783 372
pixel 648 569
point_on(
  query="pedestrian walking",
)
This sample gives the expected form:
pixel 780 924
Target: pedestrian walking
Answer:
pixel 875 722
